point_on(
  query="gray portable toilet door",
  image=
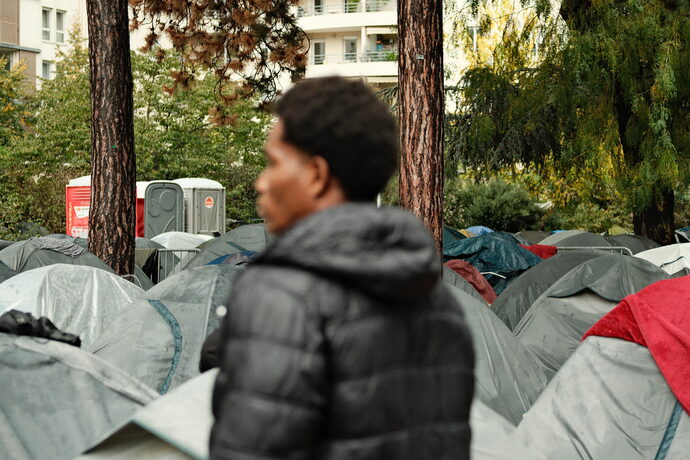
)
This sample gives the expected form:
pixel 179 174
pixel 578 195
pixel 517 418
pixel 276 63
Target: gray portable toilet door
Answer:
pixel 163 208
pixel 210 211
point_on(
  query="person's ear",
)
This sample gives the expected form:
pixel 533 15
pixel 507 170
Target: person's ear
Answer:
pixel 321 178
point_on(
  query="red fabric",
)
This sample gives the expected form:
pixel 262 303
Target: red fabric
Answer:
pixel 657 317
pixel 474 277
pixel 542 250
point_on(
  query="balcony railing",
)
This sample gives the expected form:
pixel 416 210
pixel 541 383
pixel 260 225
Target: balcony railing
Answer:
pixel 348 6
pixel 350 58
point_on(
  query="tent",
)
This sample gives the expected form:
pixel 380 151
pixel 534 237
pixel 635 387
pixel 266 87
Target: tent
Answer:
pixel 158 338
pixel 472 276
pixel 57 400
pixel 507 378
pixel 636 243
pixel 450 235
pixel 175 426
pixel 673 259
pixel 479 230
pixel 551 329
pixel 499 261
pixel 80 300
pixel 452 278
pixel 253 237
pixel 516 299
pixel 575 238
pixel 609 401
pixel 83 242
pixel 41 251
pixel 180 240
pixel 6 272
pixel 533 236
pixel 5 243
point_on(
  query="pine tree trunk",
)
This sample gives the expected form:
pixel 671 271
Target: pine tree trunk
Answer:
pixel 113 170
pixel 421 111
pixel 656 221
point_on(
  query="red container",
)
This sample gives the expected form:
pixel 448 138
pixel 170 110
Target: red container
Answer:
pixel 78 204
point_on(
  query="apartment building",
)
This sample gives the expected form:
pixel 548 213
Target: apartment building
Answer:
pixel 31 31
pixel 352 38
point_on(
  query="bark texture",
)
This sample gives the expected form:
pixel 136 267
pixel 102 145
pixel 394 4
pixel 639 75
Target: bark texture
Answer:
pixel 656 221
pixel 113 166
pixel 421 110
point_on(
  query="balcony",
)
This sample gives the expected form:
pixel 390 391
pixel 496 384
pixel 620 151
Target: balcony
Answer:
pixel 369 64
pixel 347 14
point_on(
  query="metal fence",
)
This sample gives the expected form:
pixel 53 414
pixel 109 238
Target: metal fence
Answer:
pixel 168 259
pixel 348 7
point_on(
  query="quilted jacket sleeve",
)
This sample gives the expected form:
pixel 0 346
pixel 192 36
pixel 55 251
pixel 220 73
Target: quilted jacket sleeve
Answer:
pixel 270 393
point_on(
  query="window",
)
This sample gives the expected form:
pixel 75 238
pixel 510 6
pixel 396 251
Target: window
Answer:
pixel 319 52
pixel 318 6
pixel 46 70
pixel 7 59
pixel 350 6
pixel 60 26
pixel 46 24
pixel 350 49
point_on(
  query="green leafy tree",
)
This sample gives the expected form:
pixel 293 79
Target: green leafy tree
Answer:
pixel 612 89
pixel 12 111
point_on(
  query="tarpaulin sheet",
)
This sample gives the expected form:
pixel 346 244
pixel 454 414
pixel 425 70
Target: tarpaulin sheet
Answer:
pixel 552 327
pixel 252 237
pixel 77 299
pixel 507 378
pixel 57 400
pixel 499 261
pixel 514 302
pixel 158 338
pixel 177 425
pixel 609 401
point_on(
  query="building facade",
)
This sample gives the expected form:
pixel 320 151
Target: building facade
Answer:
pixel 352 38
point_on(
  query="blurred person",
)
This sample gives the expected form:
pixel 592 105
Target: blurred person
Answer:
pixel 341 341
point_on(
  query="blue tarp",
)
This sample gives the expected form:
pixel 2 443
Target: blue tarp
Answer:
pixel 479 230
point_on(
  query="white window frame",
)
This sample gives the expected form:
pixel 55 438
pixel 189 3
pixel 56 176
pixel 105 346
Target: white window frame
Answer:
pixel 60 32
pixel 345 52
pixel 314 55
pixel 49 66
pixel 322 8
pixel 46 28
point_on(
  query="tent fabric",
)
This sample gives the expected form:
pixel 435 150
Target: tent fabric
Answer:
pixel 636 243
pixel 479 230
pixel 541 250
pixel 533 236
pixel 580 239
pixel 552 327
pixel 69 399
pixel 24 255
pixel 451 235
pixel 609 401
pixel 500 262
pixel 158 338
pixel 253 237
pixel 558 236
pixel 467 233
pixel 658 318
pixel 82 242
pixel 6 243
pixel 671 259
pixel 77 299
pixel 507 378
pixel 180 240
pixel 177 425
pixel 6 272
pixel 514 302
pixel 472 276
pixel 146 243
pixel 452 278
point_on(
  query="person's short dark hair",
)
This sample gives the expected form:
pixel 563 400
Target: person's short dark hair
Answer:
pixel 345 123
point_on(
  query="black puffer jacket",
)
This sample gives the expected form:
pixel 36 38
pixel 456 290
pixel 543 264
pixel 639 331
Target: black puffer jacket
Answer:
pixel 342 343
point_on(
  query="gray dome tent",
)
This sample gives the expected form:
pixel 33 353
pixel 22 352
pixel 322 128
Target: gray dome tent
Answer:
pixel 636 243
pixel 512 304
pixel 158 338
pixel 42 251
pixel 575 238
pixel 253 237
pixel 57 400
pixel 6 272
pixel 174 426
pixel 533 236
pixel 552 327
pixel 453 279
pixel 80 300
pixel 609 401
pixel 507 378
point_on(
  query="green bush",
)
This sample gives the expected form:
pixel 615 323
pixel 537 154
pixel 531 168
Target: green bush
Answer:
pixel 495 204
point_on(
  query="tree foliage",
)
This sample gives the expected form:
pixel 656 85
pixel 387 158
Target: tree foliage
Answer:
pixel 256 40
pixel 12 111
pixel 175 136
pixel 612 89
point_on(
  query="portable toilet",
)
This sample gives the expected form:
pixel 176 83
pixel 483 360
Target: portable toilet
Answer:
pixel 204 206
pixel 163 208
pixel 78 205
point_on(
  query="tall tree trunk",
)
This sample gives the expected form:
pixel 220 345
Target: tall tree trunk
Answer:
pixel 113 170
pixel 656 221
pixel 421 110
